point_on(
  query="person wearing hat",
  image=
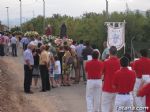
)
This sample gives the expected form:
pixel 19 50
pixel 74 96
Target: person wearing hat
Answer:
pixel 111 65
pixel 94 70
pixel 123 82
pixel 28 68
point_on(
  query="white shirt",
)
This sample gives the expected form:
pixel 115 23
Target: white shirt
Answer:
pixel 13 40
pixel 73 47
pixel 57 69
pixel 79 50
pixel 40 41
pixel 36 42
pixel 25 40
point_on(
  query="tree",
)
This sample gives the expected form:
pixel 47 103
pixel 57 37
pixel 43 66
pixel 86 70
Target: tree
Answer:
pixel 90 26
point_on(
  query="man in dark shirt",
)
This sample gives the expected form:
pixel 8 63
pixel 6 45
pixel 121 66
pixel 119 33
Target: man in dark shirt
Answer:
pixel 87 52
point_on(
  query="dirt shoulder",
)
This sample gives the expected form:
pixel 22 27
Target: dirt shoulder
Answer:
pixel 13 99
pixel 6 103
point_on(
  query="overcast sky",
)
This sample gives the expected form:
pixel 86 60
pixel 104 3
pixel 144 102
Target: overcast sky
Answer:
pixel 33 8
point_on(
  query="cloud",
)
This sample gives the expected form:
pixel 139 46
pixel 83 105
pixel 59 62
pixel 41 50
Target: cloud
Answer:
pixel 69 7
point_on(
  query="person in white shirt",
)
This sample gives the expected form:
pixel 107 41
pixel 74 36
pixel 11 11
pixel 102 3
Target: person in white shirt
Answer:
pixel 57 71
pixel 73 46
pixel 14 45
pixel 35 41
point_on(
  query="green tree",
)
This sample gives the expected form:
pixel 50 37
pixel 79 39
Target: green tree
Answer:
pixel 90 26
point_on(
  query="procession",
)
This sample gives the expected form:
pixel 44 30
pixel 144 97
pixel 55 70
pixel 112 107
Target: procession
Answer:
pixel 106 55
pixel 112 83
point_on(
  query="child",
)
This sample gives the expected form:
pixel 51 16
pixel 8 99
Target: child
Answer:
pixel 57 71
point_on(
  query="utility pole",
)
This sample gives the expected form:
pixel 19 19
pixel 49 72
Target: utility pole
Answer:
pixel 7 17
pixel 43 16
pixel 20 15
pixel 33 14
pixel 107 13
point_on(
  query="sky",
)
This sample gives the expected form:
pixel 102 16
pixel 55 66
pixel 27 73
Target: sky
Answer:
pixel 75 8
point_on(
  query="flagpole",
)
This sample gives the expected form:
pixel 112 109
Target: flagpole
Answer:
pixel 124 24
pixel 43 16
pixel 20 15
pixel 107 10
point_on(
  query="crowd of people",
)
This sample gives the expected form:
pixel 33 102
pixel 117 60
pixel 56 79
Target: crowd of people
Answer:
pixel 113 84
pixel 8 44
pixel 55 65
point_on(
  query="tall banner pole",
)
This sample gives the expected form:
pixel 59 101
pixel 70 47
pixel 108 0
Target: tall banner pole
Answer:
pixel 124 37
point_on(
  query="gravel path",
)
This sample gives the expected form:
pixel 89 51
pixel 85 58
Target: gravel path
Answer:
pixel 63 99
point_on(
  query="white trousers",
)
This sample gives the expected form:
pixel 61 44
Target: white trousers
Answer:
pixel 93 95
pixel 108 101
pixel 122 102
pixel 138 101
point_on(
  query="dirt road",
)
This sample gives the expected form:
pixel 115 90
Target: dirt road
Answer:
pixel 63 99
